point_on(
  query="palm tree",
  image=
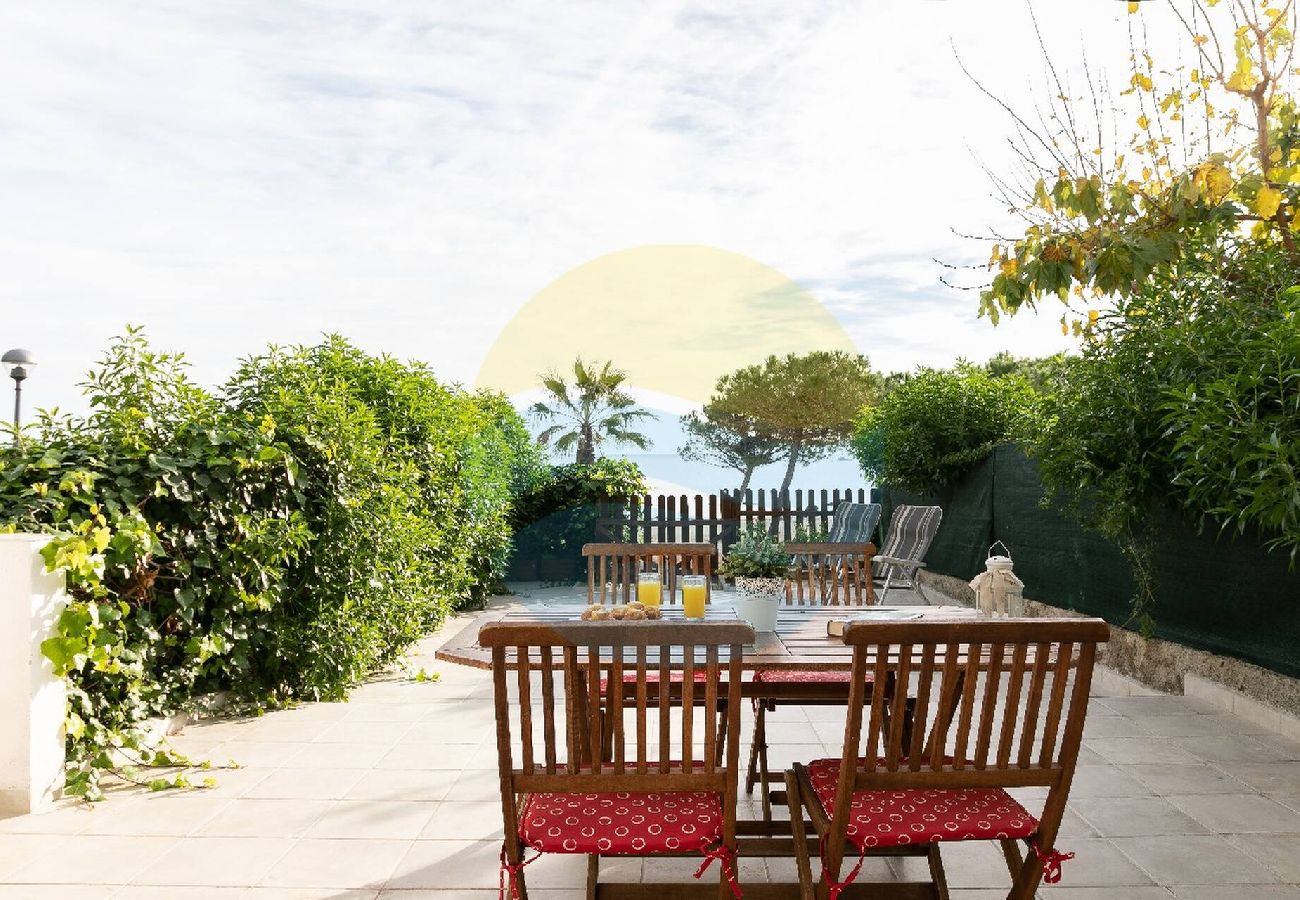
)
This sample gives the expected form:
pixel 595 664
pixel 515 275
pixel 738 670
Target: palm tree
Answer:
pixel 590 410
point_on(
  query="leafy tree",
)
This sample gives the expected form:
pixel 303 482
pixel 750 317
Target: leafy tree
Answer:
pixel 1211 164
pixel 592 409
pixel 729 441
pixel 807 403
pixel 1042 373
pixel 937 424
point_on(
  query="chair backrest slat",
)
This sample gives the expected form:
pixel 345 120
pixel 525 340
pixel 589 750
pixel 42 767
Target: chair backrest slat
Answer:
pixel 548 709
pixel 989 705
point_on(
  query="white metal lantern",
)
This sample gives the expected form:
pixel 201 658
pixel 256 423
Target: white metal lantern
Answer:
pixel 998 592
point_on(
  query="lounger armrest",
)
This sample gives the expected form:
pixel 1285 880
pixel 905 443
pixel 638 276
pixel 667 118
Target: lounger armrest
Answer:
pixel 901 563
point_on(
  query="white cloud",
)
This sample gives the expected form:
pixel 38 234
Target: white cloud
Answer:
pixel 409 174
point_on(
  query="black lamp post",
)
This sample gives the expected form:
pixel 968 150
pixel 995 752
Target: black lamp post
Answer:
pixel 18 361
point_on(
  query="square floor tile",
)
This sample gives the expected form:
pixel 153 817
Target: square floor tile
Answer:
pixel 157 814
pixel 337 864
pixel 85 859
pixel 1239 813
pixel 455 864
pixel 1193 859
pixel 386 819
pixel 1229 748
pixel 1136 751
pixel 396 784
pixel 465 821
pixel 1177 780
pixel 1267 778
pixel 1280 852
pixel 306 784
pixel 251 817
pixel 1105 781
pixel 1135 816
pixel 215 861
pixel 340 756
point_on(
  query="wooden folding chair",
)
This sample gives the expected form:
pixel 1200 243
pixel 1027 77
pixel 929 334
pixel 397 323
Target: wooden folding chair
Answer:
pixel 959 712
pixel 662 789
pixel 612 569
pixel 826 574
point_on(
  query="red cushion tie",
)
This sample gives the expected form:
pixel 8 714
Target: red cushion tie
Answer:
pixel 833 887
pixel 512 871
pixel 1051 861
pixel 726 858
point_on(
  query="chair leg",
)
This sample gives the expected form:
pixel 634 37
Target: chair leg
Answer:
pixel 1012 853
pixel 757 747
pixel 937 874
pixel 884 588
pixel 593 875
pixel 764 789
pixel 794 803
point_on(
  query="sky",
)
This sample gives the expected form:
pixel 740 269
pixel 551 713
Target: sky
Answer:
pixel 411 173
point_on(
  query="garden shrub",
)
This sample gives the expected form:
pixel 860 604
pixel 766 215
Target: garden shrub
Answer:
pixel 1190 399
pixel 278 542
pixel 933 426
pixel 556 514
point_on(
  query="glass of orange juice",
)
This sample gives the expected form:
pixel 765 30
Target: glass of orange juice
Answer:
pixel 695 591
pixel 649 589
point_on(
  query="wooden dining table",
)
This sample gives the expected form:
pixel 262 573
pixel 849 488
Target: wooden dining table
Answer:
pixel 799 643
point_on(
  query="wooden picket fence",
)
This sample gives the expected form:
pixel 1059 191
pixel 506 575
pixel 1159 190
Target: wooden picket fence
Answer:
pixel 718 518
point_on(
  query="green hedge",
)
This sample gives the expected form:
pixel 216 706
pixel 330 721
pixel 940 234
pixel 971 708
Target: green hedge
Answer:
pixel 279 539
pixel 556 514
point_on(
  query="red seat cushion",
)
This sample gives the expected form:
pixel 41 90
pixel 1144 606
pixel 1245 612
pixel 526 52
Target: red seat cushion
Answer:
pixel 786 676
pixel 922 815
pixel 622 822
pixel 652 677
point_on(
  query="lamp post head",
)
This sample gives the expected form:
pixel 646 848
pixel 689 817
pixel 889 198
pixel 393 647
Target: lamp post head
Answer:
pixel 18 361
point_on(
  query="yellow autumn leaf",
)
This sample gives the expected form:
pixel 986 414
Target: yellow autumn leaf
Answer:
pixel 1267 202
pixel 1065 329
pixel 1218 181
pixel 1092 317
pixel 1200 39
pixel 1132 6
pixel 1241 80
pixel 1009 267
pixel 1144 123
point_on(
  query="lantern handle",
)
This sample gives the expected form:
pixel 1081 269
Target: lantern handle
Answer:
pixel 1005 548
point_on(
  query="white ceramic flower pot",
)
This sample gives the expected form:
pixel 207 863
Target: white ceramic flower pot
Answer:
pixel 757 601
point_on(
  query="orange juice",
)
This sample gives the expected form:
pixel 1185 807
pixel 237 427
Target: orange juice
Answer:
pixel 649 590
pixel 693 598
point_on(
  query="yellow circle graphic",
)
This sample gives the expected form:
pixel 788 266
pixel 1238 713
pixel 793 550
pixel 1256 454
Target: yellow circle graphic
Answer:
pixel 673 317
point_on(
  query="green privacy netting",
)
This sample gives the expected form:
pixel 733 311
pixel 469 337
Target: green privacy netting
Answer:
pixel 1222 595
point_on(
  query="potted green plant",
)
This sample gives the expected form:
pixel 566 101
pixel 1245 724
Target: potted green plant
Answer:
pixel 759 564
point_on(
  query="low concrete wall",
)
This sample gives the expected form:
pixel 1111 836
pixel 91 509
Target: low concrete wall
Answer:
pixel 1159 664
pixel 33 700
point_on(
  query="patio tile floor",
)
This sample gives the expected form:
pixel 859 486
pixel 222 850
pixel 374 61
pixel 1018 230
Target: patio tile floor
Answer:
pixel 394 795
